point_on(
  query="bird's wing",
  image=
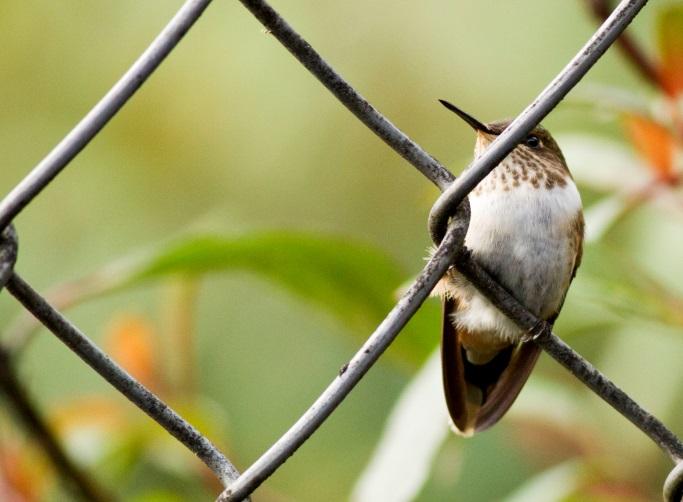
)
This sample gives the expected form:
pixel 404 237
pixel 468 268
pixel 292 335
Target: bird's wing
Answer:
pixel 477 396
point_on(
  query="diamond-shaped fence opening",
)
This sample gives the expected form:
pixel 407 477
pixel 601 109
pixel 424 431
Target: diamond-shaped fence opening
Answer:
pixel 449 220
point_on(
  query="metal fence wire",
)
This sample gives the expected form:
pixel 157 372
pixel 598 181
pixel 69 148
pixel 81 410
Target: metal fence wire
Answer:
pixel 448 224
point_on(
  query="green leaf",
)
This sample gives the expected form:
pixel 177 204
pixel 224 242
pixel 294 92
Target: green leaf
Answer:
pixel 604 215
pixel 413 434
pixel 351 280
pixel 160 495
pixel 554 484
pixel 610 280
pixel 354 282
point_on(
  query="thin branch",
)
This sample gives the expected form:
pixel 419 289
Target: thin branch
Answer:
pixel 28 417
pixel 351 373
pixel 180 308
pixel 122 381
pixel 63 296
pixel 568 358
pixel 103 111
pixel 629 47
pixel 26 412
pixel 348 96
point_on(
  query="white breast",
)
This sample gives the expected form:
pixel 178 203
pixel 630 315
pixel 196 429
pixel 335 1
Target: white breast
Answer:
pixel 523 237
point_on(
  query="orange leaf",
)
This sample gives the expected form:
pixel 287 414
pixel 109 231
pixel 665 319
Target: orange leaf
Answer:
pixel 23 477
pixel 654 143
pixel 671 48
pixel 130 342
pixel 102 412
pixel 613 491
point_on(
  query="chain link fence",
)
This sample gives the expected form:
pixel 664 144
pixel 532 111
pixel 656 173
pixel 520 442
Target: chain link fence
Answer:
pixel 448 224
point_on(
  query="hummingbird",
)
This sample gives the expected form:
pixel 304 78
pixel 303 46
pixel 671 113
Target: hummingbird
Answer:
pixel 526 230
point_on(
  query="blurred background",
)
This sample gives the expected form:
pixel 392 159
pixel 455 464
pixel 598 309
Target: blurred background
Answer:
pixel 232 140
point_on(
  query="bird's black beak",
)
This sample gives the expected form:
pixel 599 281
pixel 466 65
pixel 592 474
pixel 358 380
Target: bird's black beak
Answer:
pixel 474 123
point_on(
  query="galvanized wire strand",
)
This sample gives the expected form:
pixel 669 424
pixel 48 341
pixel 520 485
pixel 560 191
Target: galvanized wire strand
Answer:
pixel 608 32
pixel 673 485
pixel 41 176
pixel 441 212
pixel 239 487
pixel 97 118
pixel 9 248
pixel 351 373
pixel 558 88
pixel 73 338
pixel 348 96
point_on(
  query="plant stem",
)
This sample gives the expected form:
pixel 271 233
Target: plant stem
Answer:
pixel 629 47
pixel 27 416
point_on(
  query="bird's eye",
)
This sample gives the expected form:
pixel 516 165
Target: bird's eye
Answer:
pixel 532 141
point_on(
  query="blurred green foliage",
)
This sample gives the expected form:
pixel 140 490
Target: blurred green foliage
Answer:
pixel 231 137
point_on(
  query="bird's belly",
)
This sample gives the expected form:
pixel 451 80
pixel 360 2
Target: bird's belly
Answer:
pixel 523 238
